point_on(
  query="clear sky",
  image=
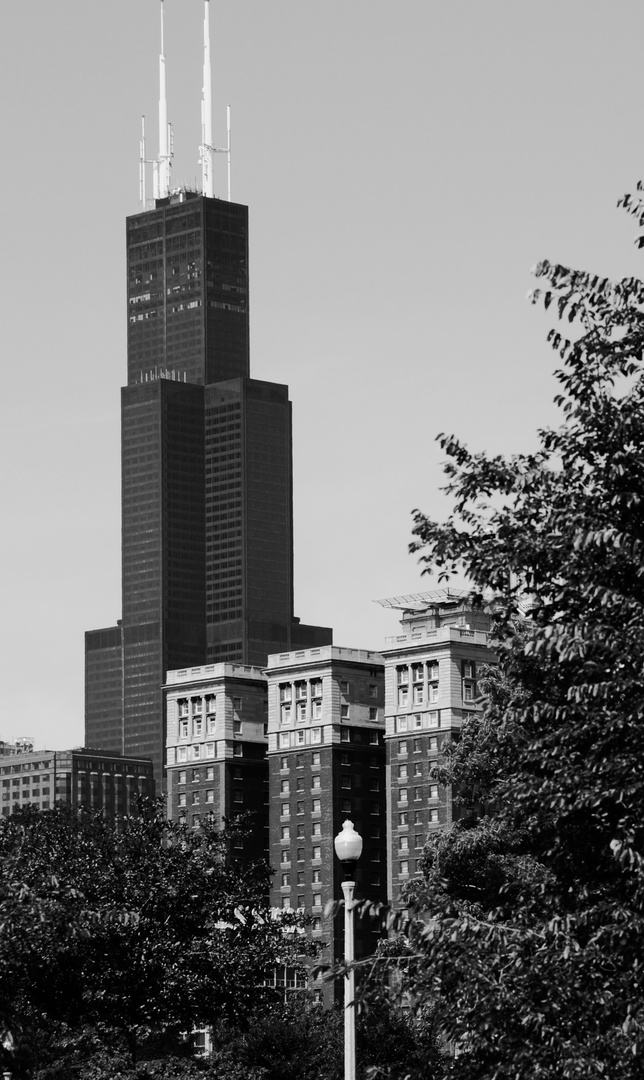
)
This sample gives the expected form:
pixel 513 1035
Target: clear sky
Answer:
pixel 405 163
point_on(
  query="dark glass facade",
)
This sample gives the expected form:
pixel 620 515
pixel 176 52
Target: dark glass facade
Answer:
pixel 187 264
pixel 249 521
pixel 207 539
pixel 104 684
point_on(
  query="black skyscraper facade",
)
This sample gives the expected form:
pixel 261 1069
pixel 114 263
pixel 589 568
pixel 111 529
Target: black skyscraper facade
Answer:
pixel 207 519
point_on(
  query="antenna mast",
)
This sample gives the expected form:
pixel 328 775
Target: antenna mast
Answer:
pixel 163 163
pixel 207 178
pixel 228 147
pixel 207 150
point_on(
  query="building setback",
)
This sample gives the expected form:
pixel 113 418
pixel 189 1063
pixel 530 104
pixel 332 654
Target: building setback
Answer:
pixel 326 763
pixel 82 777
pixel 206 451
pixel 216 750
pixel 431 672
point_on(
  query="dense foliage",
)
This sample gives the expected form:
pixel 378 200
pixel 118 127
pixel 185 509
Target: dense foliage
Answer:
pixel 115 944
pixel 127 939
pixel 528 928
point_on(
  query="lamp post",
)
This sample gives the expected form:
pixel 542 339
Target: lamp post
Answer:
pixel 348 848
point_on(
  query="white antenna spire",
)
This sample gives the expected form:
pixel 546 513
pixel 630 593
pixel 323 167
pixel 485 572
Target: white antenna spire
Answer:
pixel 228 146
pixel 163 163
pixel 207 172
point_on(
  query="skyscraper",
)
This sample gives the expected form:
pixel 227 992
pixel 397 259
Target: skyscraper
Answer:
pixel 206 451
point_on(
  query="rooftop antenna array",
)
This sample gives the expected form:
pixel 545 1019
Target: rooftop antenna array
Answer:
pixel 207 150
pixel 162 165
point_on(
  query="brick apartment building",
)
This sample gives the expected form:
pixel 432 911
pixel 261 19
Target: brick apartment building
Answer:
pixel 431 673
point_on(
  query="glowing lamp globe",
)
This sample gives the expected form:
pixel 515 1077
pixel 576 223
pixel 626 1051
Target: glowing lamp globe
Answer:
pixel 348 843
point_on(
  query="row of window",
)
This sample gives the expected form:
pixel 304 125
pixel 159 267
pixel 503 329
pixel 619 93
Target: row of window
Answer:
pixel 316 878
pixel 302 690
pixel 299 738
pixel 195 706
pixel 44 778
pixel 416 770
pixel 403 841
pixel 404 818
pixel 423 685
pixel 420 672
pixel 198 727
pixel 415 723
pixel 303 712
pixel 316 830
pixel 314 735
pixel 197 775
pixel 299 786
pixel 316 807
pixel 199 751
pixel 429 670
pixel 37 766
pixel 27 766
pixel 209 797
pixel 420 794
pixel 41 778
pixel 285 762
pixel 316 852
pixel 34 793
pixel 375 808
pixel 347 782
pixel 417 746
pixel 418 695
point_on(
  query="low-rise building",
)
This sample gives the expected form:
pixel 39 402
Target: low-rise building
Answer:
pixel 80 777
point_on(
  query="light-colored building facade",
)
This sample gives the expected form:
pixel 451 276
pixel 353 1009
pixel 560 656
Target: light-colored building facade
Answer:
pixel 326 764
pixel 216 718
pixel 431 685
pixel 81 777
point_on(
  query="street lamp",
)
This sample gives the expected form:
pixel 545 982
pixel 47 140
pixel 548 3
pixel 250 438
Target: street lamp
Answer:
pixel 348 848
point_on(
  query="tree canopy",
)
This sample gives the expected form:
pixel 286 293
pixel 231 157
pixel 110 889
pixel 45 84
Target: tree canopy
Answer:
pixel 128 938
pixel 528 927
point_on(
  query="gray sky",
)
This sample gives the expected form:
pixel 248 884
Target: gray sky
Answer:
pixel 405 162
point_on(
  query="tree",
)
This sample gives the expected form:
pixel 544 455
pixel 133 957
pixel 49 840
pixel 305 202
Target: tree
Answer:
pixel 301 1041
pixel 292 1040
pixel 528 931
pixel 128 937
